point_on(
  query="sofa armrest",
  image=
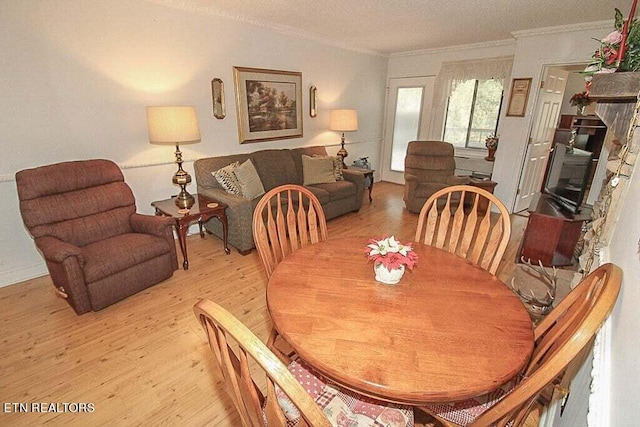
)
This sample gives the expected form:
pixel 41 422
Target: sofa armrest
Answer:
pixel 55 250
pixel 149 224
pixel 231 200
pixel 358 180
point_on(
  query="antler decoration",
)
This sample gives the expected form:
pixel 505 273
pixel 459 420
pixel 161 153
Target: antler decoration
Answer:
pixel 544 304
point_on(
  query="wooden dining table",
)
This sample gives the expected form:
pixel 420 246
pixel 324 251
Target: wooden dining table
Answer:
pixel 447 331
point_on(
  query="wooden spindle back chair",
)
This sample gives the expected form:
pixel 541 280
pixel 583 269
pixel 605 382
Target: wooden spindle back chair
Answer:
pixel 560 338
pixel 287 218
pixel 469 229
pixel 239 353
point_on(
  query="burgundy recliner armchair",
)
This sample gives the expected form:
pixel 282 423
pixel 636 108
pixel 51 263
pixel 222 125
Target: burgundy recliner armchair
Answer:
pixel 98 250
pixel 429 166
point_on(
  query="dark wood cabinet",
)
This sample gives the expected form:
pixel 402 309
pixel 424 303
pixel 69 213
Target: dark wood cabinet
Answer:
pixel 552 233
pixel 588 132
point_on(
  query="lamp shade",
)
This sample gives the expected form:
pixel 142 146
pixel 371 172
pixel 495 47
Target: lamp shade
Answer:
pixel 172 125
pixel 343 120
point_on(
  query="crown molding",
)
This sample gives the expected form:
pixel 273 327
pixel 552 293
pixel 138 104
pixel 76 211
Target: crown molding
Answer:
pixel 198 7
pixel 564 29
pixel 495 43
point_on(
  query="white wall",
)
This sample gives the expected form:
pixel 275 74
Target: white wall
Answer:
pixel 625 333
pixel 78 74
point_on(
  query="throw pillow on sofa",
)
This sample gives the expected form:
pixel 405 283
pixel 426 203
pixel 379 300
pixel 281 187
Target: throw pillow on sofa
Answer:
pixel 337 166
pixel 317 170
pixel 249 180
pixel 227 179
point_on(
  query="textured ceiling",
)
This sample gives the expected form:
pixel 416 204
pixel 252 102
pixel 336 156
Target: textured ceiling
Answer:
pixel 388 26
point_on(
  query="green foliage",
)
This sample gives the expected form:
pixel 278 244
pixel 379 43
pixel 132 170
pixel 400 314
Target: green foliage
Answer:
pixel 605 58
pixel 472 112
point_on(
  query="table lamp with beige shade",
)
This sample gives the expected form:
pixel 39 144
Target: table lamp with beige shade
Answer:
pixel 343 121
pixel 175 125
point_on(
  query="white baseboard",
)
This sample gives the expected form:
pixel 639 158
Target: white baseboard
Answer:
pixel 24 273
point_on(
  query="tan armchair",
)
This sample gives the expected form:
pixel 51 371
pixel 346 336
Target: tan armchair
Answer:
pixel 429 166
pixel 98 250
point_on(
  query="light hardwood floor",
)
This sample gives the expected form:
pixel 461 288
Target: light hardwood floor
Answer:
pixel 144 360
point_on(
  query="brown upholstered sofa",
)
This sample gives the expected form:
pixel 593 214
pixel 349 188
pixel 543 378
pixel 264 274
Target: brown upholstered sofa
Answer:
pixel 98 250
pixel 429 166
pixel 275 167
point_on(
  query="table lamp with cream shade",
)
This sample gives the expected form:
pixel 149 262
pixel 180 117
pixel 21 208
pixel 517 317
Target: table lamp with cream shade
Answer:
pixel 343 121
pixel 175 125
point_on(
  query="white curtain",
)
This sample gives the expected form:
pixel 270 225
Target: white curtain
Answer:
pixel 453 73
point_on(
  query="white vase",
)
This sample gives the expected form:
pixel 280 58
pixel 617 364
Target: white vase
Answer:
pixel 388 277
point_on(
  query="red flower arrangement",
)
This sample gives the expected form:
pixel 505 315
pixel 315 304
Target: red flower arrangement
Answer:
pixel 580 99
pixel 391 253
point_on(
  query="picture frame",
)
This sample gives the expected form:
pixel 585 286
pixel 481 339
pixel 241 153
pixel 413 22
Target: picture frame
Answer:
pixel 518 97
pixel 268 103
pixel 217 94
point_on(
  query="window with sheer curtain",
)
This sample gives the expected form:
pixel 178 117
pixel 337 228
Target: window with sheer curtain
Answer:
pixel 470 92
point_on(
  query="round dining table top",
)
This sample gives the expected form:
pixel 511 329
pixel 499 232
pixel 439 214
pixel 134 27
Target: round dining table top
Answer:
pixel 447 331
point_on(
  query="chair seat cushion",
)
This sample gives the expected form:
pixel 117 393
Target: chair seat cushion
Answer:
pixel 465 412
pixel 342 407
pixel 106 257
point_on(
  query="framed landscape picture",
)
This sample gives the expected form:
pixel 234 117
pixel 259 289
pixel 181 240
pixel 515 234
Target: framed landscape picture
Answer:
pixel 269 104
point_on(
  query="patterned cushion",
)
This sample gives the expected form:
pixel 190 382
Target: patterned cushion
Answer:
pixel 249 181
pixel 317 170
pixel 337 166
pixel 227 179
pixel 342 407
pixel 465 412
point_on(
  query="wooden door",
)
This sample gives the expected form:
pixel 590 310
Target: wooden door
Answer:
pixel 543 126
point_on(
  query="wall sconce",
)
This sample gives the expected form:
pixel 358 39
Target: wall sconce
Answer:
pixel 313 101
pixel 175 125
pixel 217 92
pixel 343 121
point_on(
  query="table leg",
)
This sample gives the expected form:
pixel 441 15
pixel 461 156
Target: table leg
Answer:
pixel 182 239
pixel 201 230
pixel 371 190
pixel 225 232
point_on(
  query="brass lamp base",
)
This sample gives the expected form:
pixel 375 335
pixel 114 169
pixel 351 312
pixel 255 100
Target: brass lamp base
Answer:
pixel 342 152
pixel 182 178
pixel 184 200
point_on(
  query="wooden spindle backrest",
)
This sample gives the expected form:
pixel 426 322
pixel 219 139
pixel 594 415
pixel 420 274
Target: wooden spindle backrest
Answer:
pixel 287 218
pixel 560 338
pixel 468 230
pixel 239 352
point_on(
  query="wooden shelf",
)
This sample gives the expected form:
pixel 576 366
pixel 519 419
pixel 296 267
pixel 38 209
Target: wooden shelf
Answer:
pixel 615 87
pixel 616 95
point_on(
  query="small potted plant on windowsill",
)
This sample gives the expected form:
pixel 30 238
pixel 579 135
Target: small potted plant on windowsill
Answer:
pixel 492 145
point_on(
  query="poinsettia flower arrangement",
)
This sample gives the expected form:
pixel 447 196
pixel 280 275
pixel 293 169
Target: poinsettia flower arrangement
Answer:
pixel 391 253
